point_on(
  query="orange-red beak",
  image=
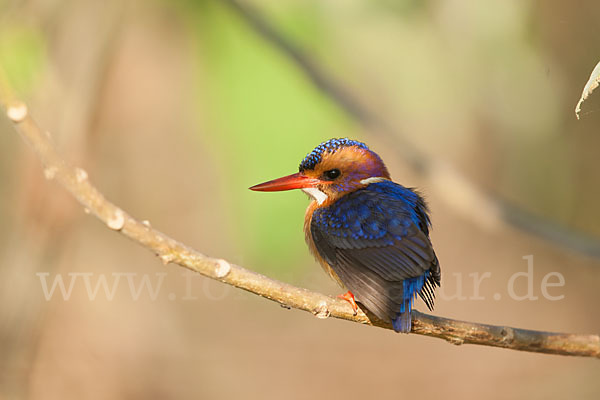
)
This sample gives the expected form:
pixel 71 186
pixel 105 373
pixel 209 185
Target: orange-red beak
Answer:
pixel 294 181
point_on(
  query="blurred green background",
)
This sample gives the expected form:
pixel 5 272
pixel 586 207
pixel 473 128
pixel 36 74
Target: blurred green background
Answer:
pixel 175 108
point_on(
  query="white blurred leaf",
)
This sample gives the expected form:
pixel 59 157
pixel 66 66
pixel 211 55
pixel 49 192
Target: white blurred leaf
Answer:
pixel 589 87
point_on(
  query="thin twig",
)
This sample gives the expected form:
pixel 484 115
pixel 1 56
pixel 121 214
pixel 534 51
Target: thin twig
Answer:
pixel 76 181
pixel 473 203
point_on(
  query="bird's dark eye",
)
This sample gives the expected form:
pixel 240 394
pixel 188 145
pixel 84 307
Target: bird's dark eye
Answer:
pixel 331 174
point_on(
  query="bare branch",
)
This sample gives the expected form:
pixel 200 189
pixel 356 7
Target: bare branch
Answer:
pixel 76 181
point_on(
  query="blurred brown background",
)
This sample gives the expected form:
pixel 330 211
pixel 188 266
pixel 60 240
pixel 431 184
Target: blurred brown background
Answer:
pixel 176 107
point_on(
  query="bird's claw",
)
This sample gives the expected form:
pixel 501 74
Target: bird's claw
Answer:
pixel 349 297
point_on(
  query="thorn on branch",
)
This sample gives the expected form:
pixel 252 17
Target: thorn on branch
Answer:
pixel 223 269
pixel 455 340
pixel 321 311
pixel 508 335
pixel 166 258
pixel 116 221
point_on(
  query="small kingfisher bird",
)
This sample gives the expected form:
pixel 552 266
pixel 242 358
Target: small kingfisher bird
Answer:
pixel 370 234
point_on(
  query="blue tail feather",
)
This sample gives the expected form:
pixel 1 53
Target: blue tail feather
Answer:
pixel 402 322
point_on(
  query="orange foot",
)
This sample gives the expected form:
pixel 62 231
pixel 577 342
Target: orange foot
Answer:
pixel 349 297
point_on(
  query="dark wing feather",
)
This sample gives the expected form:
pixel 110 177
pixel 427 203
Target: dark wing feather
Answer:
pixel 373 240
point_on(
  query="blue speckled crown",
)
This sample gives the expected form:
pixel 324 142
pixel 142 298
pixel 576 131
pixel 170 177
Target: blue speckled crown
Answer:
pixel 331 145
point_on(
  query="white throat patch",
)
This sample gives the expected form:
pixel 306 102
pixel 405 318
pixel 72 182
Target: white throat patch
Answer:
pixel 316 194
pixel 372 179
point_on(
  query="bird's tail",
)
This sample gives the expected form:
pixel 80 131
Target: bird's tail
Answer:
pixel 402 323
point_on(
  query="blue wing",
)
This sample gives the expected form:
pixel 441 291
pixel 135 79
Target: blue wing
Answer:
pixel 376 240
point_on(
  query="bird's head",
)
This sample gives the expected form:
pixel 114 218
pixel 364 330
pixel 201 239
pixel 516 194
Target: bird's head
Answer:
pixel 334 168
